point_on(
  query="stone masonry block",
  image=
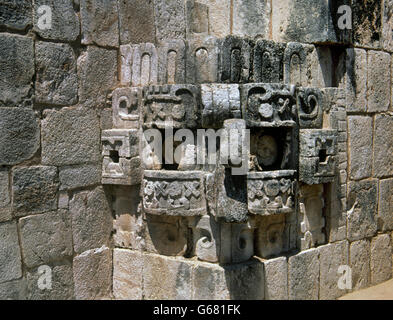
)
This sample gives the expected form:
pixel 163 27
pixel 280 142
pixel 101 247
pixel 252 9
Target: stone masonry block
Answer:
pixel 360 264
pixel 5 198
pixel 276 279
pixel 10 257
pixel 381 259
pixel 383 146
pixel 16 15
pixel 170 19
pixel 79 176
pixel 385 205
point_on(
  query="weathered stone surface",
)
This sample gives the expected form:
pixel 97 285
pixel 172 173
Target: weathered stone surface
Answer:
pixel 172 62
pixel 96 63
pixel 209 282
pixel 383 146
pixel 34 189
pixel 100 23
pixel 360 146
pixel 381 259
pixel 79 176
pixel 356 79
pixel 45 238
pixel 127 274
pixel 93 274
pixel 19 135
pixel 362 209
pixel 360 264
pixel 166 278
pixel 251 18
pixel 197 19
pixel 276 279
pixel 91 219
pixel 10 258
pixel 387 26
pixel 296 69
pixel 219 17
pixel 385 205
pixel 70 136
pixel 13 290
pixel 378 81
pixel 17 61
pixel 268 61
pixel 170 19
pixel 126 104
pixel 5 199
pixel 331 257
pixel 65 21
pixel 56 79
pixel 61 279
pixel 136 21
pixel 367 22
pixel 16 14
pixel 303 275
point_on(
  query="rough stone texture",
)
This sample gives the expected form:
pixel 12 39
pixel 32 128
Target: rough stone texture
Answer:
pixel 96 63
pixel 251 18
pixel 70 136
pixel 65 22
pixel 170 19
pixel 5 199
pixel 331 257
pixel 100 25
pixel 136 21
pixel 91 219
pixel 383 146
pixel 56 79
pixel 360 264
pixel 360 146
pixel 46 237
pixel 219 17
pixel 356 79
pixel 62 284
pixel 381 259
pixel 385 205
pixel 79 176
pixel 166 278
pixel 276 279
pixel 378 81
pixel 17 69
pixel 13 290
pixel 10 258
pixel 197 17
pixel 93 274
pixel 387 29
pixel 127 274
pixel 34 189
pixel 362 209
pixel 16 14
pixel 303 275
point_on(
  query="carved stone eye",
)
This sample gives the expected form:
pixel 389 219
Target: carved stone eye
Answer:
pixel 266 110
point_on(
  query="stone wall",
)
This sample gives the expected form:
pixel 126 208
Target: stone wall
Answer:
pixel 73 200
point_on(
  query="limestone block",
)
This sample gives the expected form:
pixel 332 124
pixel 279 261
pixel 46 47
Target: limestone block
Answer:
pixel 34 189
pixel 378 81
pixel 5 199
pixel 362 209
pixel 331 257
pixel 127 274
pixel 144 67
pixel 46 237
pixel 310 103
pixel 70 136
pixel 172 62
pixel 170 19
pixel 270 236
pixel 17 60
pixel 56 79
pixel 13 290
pixel 220 102
pixel 171 106
pixel 166 278
pixel 367 23
pixel 268 61
pixel 303 275
pixel 360 146
pixel 276 279
pixel 296 65
pixel 219 17
pixel 63 200
pixel 197 19
pixel 99 22
pixel 125 106
pixel 381 259
pixel 96 63
pixel 387 26
pixel 202 60
pixel 356 79
pixel 79 176
pixel 173 193
pixel 251 18
pixel 385 205
pixel 16 16
pixel 62 283
pixel 360 264
pixel 235 60
pixel 209 282
pixel 10 257
pixel 383 146
pixel 93 274
pixel 136 21
pixel 65 21
pixel 91 219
